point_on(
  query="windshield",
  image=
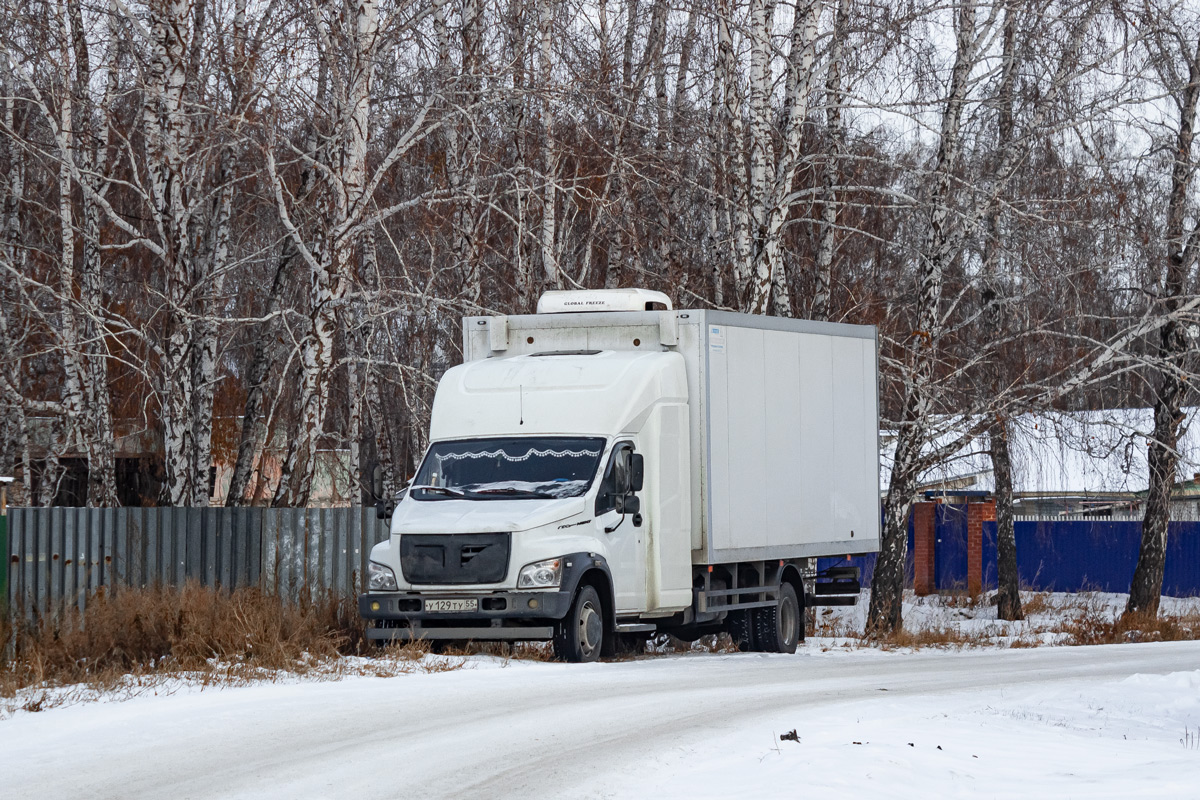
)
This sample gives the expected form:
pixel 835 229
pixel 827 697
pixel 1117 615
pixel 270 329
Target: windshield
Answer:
pixel 508 469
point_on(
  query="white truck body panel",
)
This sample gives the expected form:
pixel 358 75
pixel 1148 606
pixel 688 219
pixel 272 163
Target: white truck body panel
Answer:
pixel 791 432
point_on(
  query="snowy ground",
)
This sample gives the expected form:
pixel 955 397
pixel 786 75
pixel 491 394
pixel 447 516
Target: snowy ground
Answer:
pixel 1049 617
pixel 1114 721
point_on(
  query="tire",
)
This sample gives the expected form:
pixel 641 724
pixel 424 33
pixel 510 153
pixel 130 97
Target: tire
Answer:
pixel 579 637
pixel 777 629
pixel 740 625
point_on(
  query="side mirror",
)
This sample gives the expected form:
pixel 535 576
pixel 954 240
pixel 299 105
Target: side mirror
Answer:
pixel 377 483
pixel 383 506
pixel 637 472
pixel 628 504
pixel 621 470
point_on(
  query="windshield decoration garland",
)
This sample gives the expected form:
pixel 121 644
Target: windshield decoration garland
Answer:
pixel 529 453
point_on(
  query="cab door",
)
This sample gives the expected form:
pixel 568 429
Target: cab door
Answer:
pixel 626 542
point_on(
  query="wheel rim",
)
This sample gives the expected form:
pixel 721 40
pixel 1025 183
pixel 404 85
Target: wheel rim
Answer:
pixel 591 628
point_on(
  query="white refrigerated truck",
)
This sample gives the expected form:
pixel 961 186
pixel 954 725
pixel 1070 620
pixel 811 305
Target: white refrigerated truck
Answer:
pixel 611 466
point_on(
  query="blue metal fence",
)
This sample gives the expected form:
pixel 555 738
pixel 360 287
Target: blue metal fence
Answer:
pixel 1080 555
pixel 1054 554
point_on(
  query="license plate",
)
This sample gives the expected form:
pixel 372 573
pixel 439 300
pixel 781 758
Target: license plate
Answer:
pixel 452 605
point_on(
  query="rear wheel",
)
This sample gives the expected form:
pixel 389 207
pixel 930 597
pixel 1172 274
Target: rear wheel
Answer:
pixel 579 636
pixel 777 627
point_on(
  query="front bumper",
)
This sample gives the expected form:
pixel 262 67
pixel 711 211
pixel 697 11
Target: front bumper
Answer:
pixel 500 616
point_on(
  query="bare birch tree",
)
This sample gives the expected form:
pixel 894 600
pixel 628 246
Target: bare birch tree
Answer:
pixel 1176 56
pixel 950 221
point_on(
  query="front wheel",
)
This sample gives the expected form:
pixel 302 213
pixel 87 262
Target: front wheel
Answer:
pixel 777 628
pixel 580 635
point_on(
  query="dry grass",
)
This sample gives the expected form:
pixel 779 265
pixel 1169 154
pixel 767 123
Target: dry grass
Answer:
pixel 136 640
pixel 828 624
pixel 1036 603
pixel 930 637
pixel 1097 628
pixel 1084 618
pixel 959 597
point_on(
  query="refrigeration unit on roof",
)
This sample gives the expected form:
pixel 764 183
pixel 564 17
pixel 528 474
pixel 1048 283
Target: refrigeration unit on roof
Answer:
pixel 569 302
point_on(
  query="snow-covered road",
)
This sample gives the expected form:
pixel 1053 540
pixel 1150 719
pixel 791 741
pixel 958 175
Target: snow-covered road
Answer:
pixel 1062 722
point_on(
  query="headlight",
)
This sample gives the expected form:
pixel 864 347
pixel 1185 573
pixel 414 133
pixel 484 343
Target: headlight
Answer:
pixel 540 574
pixel 380 578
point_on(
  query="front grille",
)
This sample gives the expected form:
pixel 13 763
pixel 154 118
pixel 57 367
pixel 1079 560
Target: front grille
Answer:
pixel 454 557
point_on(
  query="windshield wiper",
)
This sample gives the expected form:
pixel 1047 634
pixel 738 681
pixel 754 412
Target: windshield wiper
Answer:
pixel 511 492
pixel 446 490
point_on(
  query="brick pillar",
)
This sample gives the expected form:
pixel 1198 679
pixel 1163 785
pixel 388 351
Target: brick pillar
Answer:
pixel 977 514
pixel 924 537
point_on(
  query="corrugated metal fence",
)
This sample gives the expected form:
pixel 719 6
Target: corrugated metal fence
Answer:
pixel 61 555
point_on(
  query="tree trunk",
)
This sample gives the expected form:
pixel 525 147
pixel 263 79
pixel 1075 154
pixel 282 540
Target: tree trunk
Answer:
pixel 358 371
pixel 656 40
pixel 771 203
pixel 827 243
pixel 1146 589
pixel 551 277
pixel 14 254
pixel 517 151
pixel 756 287
pixel 354 414
pixel 466 220
pixel 51 473
pixel 1008 594
pixel 254 429
pixel 207 288
pixel 316 361
pixel 346 201
pixel 887 588
pixel 1145 592
pixel 737 188
pixel 89 157
pixel 887 584
pixel 74 429
pixel 208 285
pixel 167 132
pixel 718 200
